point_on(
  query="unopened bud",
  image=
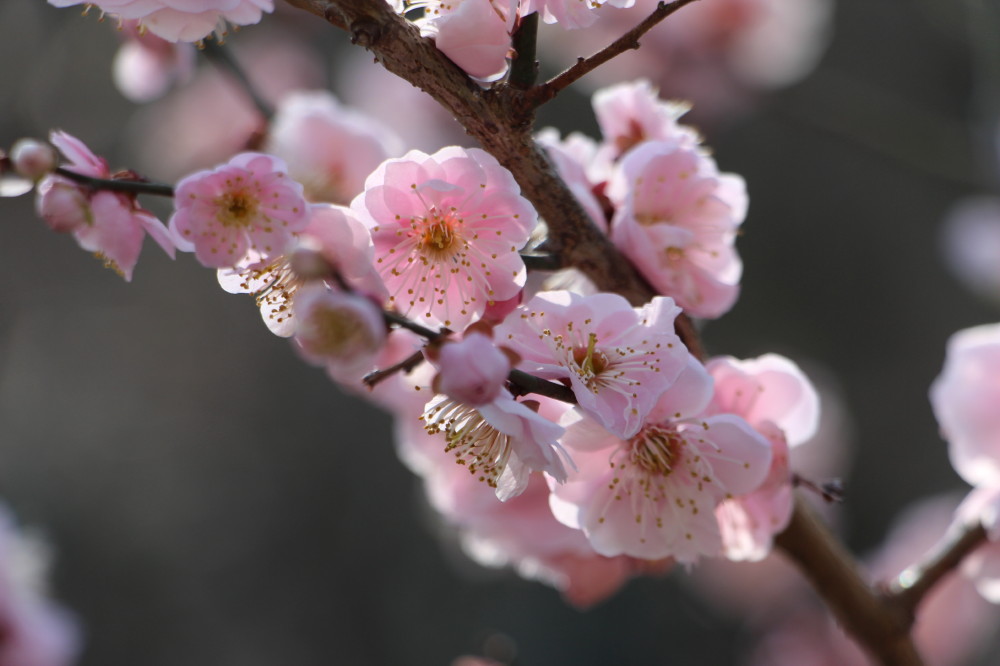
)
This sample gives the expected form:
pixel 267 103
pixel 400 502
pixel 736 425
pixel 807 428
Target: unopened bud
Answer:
pixel 62 205
pixel 33 159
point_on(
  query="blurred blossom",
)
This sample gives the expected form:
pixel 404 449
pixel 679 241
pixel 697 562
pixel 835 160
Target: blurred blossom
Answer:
pixel 383 95
pixel 329 148
pixel 971 238
pixel 146 66
pixel 211 119
pixel 965 398
pixel 719 55
pixel 35 632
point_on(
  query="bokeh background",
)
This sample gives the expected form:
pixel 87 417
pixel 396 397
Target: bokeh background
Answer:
pixel 211 500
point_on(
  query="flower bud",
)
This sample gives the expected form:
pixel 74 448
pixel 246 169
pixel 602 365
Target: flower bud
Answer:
pixel 33 159
pixel 471 371
pixel 62 205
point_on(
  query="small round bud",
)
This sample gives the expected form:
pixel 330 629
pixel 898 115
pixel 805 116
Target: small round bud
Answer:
pixel 33 159
pixel 62 205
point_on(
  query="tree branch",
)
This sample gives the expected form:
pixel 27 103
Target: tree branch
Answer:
pixel 910 587
pixel 630 40
pixel 117 185
pixel 501 119
pixel 874 621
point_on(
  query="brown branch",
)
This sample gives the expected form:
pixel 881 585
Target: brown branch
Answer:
pixel 873 620
pixel 910 587
pixel 629 41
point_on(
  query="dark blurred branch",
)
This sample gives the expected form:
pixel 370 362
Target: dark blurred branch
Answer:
pixel 223 58
pixel 876 623
pixel 910 587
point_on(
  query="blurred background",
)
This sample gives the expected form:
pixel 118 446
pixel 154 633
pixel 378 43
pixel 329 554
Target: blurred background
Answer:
pixel 211 500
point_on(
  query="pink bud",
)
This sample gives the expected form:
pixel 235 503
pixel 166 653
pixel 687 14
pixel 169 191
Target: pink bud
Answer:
pixel 33 159
pixel 471 371
pixel 339 330
pixel 62 205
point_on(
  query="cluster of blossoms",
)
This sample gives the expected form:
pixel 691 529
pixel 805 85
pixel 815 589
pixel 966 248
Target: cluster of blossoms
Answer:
pixel 591 445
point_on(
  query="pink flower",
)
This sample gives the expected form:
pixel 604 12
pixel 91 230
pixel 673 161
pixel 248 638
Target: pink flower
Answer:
pixel 774 397
pixel 340 239
pixel 474 34
pixel 676 219
pixel 181 20
pixel 500 442
pixel 965 398
pixel 471 371
pixel 338 330
pixel 112 225
pixel 328 148
pixel 249 204
pixel 658 495
pixel 618 359
pixel 631 113
pixel 447 229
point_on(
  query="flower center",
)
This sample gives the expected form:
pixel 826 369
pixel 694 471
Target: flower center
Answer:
pixel 439 236
pixel 590 361
pixel 336 332
pixel 237 209
pixel 475 443
pixel 655 450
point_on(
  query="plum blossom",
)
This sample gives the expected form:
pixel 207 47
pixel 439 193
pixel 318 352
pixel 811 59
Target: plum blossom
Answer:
pixel 342 331
pixel 471 371
pixel 447 229
pixel 340 239
pixel 658 495
pixel 181 20
pixel 965 398
pixel 247 205
pixel 676 219
pixel 632 112
pixel 777 400
pixel 112 225
pixel 474 34
pixel 328 148
pixel 618 359
pixel 500 442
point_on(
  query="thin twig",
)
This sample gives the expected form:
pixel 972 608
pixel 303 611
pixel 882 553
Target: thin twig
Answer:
pixel 907 589
pixel 532 384
pixel 630 40
pixel 224 59
pixel 117 185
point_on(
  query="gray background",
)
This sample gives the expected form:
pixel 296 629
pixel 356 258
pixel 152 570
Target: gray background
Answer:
pixel 213 501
